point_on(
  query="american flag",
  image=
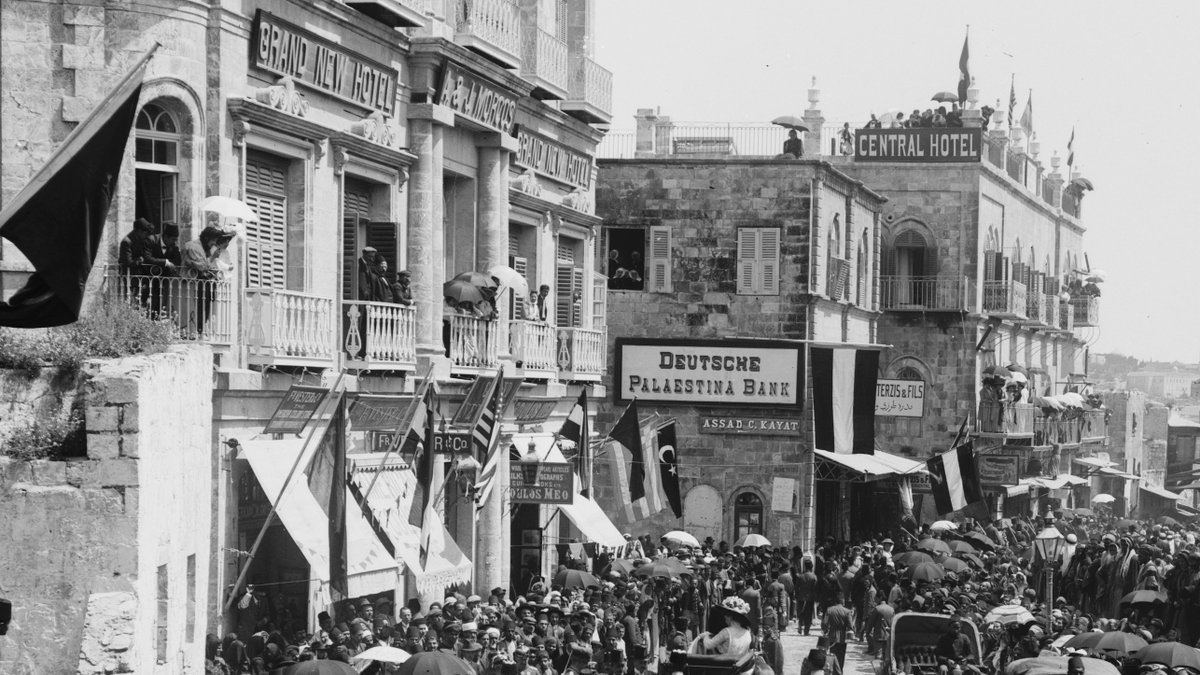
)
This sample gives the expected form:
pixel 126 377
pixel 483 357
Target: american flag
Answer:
pixel 1012 103
pixel 484 444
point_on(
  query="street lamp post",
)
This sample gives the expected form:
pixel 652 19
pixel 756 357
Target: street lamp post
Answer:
pixel 1049 544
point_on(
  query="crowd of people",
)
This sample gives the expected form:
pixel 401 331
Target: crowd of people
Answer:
pixel 628 616
pixel 930 118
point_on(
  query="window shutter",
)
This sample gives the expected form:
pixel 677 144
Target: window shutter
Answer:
pixel 660 259
pixel 563 276
pixel 768 257
pixel 747 260
pixel 266 242
pixel 513 245
pixel 989 265
pixel 577 307
pixel 382 237
pixel 350 257
pixel 519 303
pixel 599 301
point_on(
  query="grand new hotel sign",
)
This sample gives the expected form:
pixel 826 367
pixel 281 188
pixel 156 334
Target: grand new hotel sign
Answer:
pixel 285 49
pixel 940 144
pixel 758 373
pixel 552 159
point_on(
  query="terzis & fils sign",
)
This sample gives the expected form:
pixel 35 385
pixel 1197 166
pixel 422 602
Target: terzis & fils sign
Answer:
pixel 312 61
pixel 940 144
pixel 759 373
pixel 900 398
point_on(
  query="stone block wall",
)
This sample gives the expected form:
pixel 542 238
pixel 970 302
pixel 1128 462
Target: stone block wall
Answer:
pixel 105 556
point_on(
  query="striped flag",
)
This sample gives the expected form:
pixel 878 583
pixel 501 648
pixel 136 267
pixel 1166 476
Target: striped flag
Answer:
pixel 627 433
pixel 1071 149
pixel 652 499
pixel 1027 116
pixel 420 435
pixel 418 427
pixel 954 477
pixel 575 429
pixel 326 475
pixel 484 443
pixel 844 381
pixel 964 71
pixel 1012 102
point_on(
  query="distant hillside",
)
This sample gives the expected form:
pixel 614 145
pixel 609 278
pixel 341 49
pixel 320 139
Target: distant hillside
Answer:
pixel 1106 370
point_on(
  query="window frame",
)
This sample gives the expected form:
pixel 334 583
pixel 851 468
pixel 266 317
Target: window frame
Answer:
pixel 760 262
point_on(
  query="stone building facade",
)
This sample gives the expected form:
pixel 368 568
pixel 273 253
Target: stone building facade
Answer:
pixel 447 136
pixel 714 254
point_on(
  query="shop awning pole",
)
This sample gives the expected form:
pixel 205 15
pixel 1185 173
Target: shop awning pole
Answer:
pixel 398 437
pixel 335 392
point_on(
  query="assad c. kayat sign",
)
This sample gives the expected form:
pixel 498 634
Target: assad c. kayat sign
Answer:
pixel 552 159
pixel 477 100
pixel 938 144
pixel 312 61
pixel 734 372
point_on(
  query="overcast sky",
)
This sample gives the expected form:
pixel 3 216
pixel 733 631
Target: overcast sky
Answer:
pixel 1123 75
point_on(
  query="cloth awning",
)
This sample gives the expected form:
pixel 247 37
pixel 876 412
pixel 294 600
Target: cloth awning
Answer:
pixel 1107 471
pixel 1095 462
pixel 878 465
pixel 1161 493
pixel 370 568
pixel 587 515
pixel 1017 490
pixel 390 501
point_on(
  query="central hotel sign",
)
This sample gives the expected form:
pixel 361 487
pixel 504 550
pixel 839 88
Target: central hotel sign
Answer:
pixel 759 373
pixel 939 144
pixel 312 61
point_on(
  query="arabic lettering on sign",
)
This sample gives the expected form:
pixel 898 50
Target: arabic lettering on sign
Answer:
pixel 900 398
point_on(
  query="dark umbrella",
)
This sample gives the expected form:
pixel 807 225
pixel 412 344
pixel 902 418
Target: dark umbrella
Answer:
pixel 622 566
pixel 320 667
pixel 997 371
pixel 1084 511
pixel 1015 368
pixel 435 663
pixel 980 541
pixel 575 579
pixel 1083 183
pixel 945 97
pixel 932 545
pixel 925 572
pixel 1144 598
pixel 1168 520
pixel 462 291
pixel 1119 642
pixel 971 558
pixel 1085 641
pixel 477 279
pixel 790 122
pixel 960 546
pixel 658 568
pixel 912 558
pixel 954 565
pixel 1054 665
pixel 1170 654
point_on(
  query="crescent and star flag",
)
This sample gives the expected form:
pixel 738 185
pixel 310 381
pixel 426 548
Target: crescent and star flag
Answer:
pixel 327 480
pixel 1071 149
pixel 954 477
pixel 485 441
pixel 668 466
pixel 964 72
pixel 57 220
pixel 627 433
pixel 1027 116
pixel 844 382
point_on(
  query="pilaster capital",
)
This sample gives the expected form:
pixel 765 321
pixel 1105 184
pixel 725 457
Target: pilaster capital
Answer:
pixel 497 140
pixel 438 114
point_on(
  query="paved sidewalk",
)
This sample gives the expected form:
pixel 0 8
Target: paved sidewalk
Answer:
pixel 796 646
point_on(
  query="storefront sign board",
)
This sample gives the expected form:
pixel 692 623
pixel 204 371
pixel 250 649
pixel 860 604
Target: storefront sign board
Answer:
pixel 740 424
pixel 471 97
pixel 998 469
pixel 541 482
pixel 932 145
pixel 552 159
pixel 734 372
pixel 295 410
pixel 900 398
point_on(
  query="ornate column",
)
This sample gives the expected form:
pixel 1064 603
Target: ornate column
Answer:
pixel 425 245
pixel 491 240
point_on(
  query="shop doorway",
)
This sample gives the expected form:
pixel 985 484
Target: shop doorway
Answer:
pixel 747 515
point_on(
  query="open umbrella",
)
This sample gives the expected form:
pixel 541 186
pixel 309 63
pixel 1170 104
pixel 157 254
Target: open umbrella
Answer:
pixel 1056 665
pixel 954 565
pixel 1168 520
pixel 970 558
pixel 1017 368
pixel 657 568
pixel 1006 614
pixel 575 579
pixel 912 558
pixel 1144 598
pixel 1096 276
pixel 1125 523
pixel 228 207
pixel 1119 642
pixel 1084 511
pixel 945 97
pixel 1103 498
pixel 980 541
pixel 790 122
pixel 1071 399
pixel 752 541
pixel 462 291
pixel 925 572
pixel 436 663
pixel 1170 654
pixel 383 653
pixel 1085 641
pixel 931 545
pixel 943 526
pixel 1082 183
pixel 621 566
pixel 960 546
pixel 321 667
pixel 477 279
pixel 510 278
pixel 681 537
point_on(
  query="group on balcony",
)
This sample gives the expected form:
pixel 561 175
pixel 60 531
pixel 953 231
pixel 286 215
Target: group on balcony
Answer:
pixel 373 282
pixel 1008 405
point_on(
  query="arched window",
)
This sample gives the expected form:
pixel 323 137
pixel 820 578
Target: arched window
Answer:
pixel 864 271
pixel 908 373
pixel 747 515
pixel 839 267
pixel 157 158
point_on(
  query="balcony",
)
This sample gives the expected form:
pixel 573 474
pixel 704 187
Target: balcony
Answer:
pixel 924 294
pixel 1086 309
pixel 544 63
pixel 379 335
pixel 581 354
pixel 532 344
pixel 287 328
pixel 1093 426
pixel 394 13
pixel 1056 429
pixel 473 342
pixel 1066 316
pixel 590 93
pixel 1004 299
pixel 201 310
pixel 1050 306
pixel 491 28
pixel 1012 420
pixel 1035 304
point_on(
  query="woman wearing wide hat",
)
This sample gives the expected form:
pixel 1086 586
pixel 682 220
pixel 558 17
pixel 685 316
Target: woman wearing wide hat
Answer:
pixel 735 639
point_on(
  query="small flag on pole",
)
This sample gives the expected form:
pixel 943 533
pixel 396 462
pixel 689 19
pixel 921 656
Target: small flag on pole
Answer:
pixel 668 461
pixel 327 480
pixel 1012 102
pixel 955 480
pixel 484 442
pixel 1071 149
pixel 964 71
pixel 627 433
pixel 575 429
pixel 1027 116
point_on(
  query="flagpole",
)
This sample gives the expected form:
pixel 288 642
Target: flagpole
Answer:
pixel 335 392
pixel 400 435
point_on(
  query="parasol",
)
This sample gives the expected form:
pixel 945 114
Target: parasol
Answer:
pixel 942 526
pixel 931 545
pixel 681 537
pixel 925 572
pixel 752 541
pixel 1168 520
pixel 569 579
pixel 912 558
pixel 1119 642
pixel 1006 614
pixel 980 541
pixel 658 568
pixel 960 546
pixel 954 565
pixel 462 291
pixel 1055 665
pixel 1071 399
pixel 1084 511
pixel 1082 183
pixel 1170 654
pixel 1017 368
pixel 383 653
pixel 510 278
pixel 790 122
pixel 478 279
pixel 228 207
pixel 1144 598
pixel 1125 523
pixel 971 558
pixel 622 566
pixel 945 97
pixel 1103 498
pixel 435 663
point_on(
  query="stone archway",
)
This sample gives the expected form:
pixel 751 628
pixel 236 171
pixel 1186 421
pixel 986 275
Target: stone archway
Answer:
pixel 703 512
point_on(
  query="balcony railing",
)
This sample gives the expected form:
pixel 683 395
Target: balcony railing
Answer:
pixel 290 328
pixel 581 353
pixel 1066 316
pixel 491 28
pixel 533 345
pixel 394 13
pixel 473 342
pixel 200 310
pixel 1006 419
pixel 922 294
pixel 1050 305
pixel 1093 425
pixel 1034 304
pixel 1004 298
pixel 544 62
pixel 1056 429
pixel 1086 309
pixel 590 92
pixel 379 335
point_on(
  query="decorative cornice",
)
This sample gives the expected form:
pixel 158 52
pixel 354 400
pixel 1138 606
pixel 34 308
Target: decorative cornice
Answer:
pixel 375 128
pixel 356 146
pixel 247 113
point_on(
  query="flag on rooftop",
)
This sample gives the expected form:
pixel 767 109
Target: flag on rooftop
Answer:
pixel 1012 102
pixel 964 71
pixel 1027 116
pixel 1071 150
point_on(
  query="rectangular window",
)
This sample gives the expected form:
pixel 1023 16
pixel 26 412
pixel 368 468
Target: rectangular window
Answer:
pixel 356 208
pixel 758 261
pixel 660 259
pixel 625 262
pixel 160 622
pixel 568 311
pixel 191 598
pixel 599 302
pixel 266 238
